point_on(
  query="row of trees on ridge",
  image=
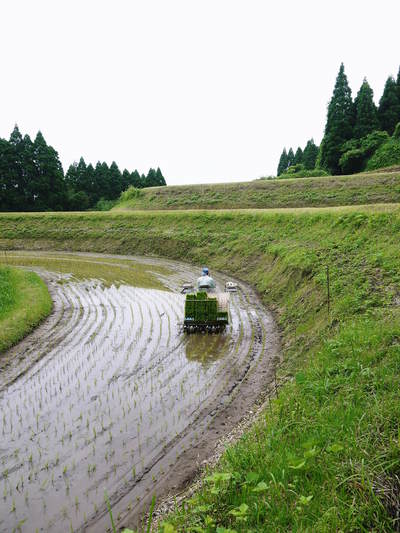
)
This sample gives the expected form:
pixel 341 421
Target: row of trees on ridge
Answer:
pixel 306 157
pixel 88 185
pixel 354 129
pixel 32 178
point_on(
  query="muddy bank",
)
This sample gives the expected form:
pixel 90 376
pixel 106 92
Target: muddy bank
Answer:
pixel 108 395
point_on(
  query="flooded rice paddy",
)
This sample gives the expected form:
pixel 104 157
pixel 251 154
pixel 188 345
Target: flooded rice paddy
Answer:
pixel 108 395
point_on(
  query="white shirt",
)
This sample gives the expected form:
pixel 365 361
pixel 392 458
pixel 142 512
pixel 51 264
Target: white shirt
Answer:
pixel 205 281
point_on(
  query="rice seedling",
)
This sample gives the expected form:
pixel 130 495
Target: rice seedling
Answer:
pixel 72 389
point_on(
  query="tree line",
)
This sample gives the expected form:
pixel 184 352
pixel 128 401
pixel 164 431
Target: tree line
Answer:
pixel 32 178
pixel 89 186
pixel 307 157
pixel 354 130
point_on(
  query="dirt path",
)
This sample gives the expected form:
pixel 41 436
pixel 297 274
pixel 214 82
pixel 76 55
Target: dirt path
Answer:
pixel 109 395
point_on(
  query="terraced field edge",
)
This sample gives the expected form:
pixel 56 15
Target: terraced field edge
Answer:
pixel 325 455
pixel 24 302
pixel 365 188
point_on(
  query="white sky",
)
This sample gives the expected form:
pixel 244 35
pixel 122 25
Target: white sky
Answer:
pixel 208 90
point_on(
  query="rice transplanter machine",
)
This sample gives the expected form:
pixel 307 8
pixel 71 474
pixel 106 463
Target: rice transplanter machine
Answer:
pixel 206 310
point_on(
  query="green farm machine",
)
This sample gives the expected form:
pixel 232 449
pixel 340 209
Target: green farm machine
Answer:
pixel 206 313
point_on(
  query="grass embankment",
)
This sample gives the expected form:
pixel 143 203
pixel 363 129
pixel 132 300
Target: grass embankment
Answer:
pixel 366 188
pixel 24 302
pixel 326 454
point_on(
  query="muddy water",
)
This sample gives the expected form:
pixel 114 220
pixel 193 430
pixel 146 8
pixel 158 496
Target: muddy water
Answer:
pixel 109 396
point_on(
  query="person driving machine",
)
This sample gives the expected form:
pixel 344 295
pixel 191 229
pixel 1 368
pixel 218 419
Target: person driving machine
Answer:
pixel 205 281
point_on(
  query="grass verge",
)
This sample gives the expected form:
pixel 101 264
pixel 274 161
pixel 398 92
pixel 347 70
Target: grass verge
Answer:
pixel 326 454
pixel 24 302
pixel 365 188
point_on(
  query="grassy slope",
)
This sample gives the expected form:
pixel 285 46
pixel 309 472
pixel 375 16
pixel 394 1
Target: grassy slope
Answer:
pixel 325 456
pixel 367 188
pixel 24 302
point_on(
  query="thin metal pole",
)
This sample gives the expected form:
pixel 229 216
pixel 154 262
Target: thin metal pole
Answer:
pixel 328 285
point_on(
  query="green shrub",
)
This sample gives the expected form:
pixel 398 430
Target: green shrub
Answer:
pixel 357 151
pixel 105 205
pixel 396 134
pixel 352 161
pixel 130 193
pixel 386 155
pixel 298 171
pixel 294 169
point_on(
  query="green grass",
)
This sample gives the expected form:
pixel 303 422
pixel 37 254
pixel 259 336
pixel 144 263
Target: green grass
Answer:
pixel 366 188
pixel 325 455
pixel 24 302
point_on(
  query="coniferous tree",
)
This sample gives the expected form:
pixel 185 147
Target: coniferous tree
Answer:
pixel 100 183
pixel 398 83
pixel 3 175
pixel 366 117
pixel 89 184
pixel 81 184
pixel 290 157
pixel 160 178
pixel 32 178
pixel 22 169
pixel 8 191
pixel 103 187
pixel 151 179
pixel 389 106
pixel 298 156
pixel 81 178
pixel 283 163
pixel 16 182
pixel 115 181
pixel 339 124
pixel 49 185
pixel 310 155
pixel 71 176
pixel 136 180
pixel 125 179
pixel 29 172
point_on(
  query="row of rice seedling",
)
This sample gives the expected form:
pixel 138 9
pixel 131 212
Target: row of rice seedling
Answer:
pixel 114 387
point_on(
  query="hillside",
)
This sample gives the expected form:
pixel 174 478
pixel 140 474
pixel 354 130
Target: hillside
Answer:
pixel 358 189
pixel 325 453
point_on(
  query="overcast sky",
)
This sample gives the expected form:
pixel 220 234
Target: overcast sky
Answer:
pixel 208 90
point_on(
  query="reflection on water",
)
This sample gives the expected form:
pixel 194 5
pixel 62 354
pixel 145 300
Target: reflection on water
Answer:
pixel 207 348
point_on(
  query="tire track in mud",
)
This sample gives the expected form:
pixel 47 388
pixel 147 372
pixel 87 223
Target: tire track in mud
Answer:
pixel 108 394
